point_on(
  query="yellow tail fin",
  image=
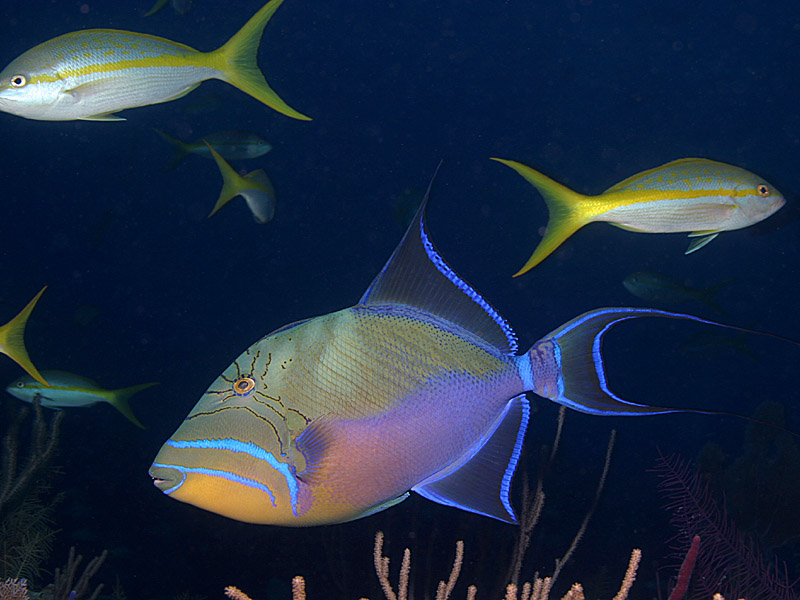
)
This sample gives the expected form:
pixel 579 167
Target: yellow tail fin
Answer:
pixel 119 400
pixel 239 62
pixel 564 206
pixel 12 343
pixel 232 182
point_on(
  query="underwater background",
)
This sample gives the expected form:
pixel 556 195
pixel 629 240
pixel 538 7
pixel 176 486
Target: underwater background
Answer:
pixel 143 287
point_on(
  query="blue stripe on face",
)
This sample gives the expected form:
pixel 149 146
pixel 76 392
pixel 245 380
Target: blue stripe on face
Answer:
pixel 240 447
pixel 216 473
pixel 445 270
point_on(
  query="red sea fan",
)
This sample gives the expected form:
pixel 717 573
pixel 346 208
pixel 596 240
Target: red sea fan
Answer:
pixel 727 562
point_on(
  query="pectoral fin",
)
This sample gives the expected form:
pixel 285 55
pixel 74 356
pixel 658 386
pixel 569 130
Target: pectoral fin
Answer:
pixel 701 239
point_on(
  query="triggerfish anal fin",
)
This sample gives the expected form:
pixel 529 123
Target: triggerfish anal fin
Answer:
pixel 568 210
pixel 240 62
pixel 481 481
pixel 418 276
pixel 12 342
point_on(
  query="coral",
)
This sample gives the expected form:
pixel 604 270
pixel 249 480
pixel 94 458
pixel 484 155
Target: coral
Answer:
pixel 63 588
pixel 14 589
pixel 727 561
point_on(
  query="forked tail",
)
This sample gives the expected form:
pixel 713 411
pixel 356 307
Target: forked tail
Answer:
pixel 566 366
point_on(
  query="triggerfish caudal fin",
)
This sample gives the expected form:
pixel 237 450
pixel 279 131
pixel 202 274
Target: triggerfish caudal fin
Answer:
pixel 119 400
pixel 240 62
pixel 569 211
pixel 12 343
pixel 567 364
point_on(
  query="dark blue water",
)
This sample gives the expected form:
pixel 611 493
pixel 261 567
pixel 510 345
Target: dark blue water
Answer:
pixel 143 287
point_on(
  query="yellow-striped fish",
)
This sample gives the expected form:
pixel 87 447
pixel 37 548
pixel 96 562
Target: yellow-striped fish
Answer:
pixel 697 195
pixel 255 188
pixel 12 343
pixel 67 390
pixel 92 74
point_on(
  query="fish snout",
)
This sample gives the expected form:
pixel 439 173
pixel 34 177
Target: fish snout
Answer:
pixel 165 478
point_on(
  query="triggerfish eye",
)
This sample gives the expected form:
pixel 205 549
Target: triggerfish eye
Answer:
pixel 244 386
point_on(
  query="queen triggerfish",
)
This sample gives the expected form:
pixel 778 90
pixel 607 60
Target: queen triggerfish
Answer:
pixel 701 196
pixel 418 387
pixel 94 73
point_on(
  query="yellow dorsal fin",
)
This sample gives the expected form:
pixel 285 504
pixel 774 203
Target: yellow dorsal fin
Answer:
pixel 569 211
pixel 12 342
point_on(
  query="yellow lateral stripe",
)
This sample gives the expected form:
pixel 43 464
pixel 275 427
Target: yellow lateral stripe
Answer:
pixel 162 62
pixel 627 198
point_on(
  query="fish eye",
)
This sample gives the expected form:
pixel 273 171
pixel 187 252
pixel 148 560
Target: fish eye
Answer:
pixel 763 190
pixel 18 81
pixel 20 384
pixel 244 385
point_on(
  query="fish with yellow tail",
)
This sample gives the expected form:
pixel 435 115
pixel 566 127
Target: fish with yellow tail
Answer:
pixel 67 390
pixel 418 387
pixel 255 188
pixel 695 195
pixel 92 74
pixel 12 343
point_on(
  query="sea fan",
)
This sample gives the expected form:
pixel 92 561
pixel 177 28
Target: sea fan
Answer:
pixel 727 561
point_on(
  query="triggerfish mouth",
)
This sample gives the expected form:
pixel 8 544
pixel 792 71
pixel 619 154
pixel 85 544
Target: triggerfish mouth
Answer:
pixel 94 73
pixel 418 387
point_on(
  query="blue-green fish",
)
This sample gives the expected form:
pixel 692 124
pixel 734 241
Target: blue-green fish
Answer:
pixel 418 387
pixel 94 73
pixel 664 289
pixel 255 187
pixel 67 390
pixel 701 196
pixel 233 145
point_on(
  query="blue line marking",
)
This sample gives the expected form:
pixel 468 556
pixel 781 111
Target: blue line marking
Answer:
pixel 217 473
pixel 257 452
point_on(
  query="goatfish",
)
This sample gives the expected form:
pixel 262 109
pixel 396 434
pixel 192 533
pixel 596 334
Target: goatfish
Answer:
pixel 12 342
pixel 255 188
pixel 67 390
pixel 418 387
pixel 92 74
pixel 701 196
pixel 233 145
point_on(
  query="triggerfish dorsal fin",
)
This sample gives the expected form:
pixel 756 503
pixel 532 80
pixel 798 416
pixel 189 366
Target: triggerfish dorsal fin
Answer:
pixel 418 276
pixel 481 481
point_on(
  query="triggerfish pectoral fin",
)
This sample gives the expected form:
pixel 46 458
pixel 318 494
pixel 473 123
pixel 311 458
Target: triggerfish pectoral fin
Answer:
pixel 567 365
pixel 119 400
pixel 12 342
pixel 240 65
pixel 567 209
pixel 481 481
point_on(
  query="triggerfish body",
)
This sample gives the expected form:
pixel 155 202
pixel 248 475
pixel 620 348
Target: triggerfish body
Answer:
pixel 12 342
pixel 94 73
pixel 417 387
pixel 255 188
pixel 67 390
pixel 697 195
pixel 233 145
